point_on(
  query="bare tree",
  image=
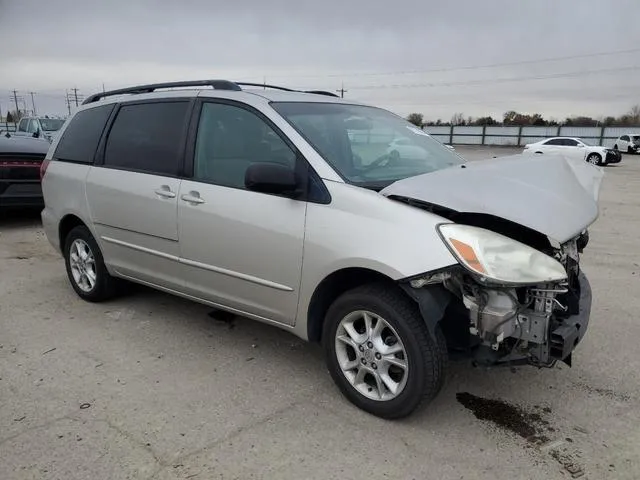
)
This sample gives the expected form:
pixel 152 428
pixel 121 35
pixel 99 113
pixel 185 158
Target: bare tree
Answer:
pixel 457 119
pixel 634 113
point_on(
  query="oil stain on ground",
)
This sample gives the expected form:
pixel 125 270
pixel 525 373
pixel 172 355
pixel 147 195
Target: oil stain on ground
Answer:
pixel 529 425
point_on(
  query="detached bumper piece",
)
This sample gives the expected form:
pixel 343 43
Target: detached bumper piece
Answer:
pixel 613 156
pixel 567 332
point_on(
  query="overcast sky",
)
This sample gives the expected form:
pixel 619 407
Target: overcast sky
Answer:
pixel 373 46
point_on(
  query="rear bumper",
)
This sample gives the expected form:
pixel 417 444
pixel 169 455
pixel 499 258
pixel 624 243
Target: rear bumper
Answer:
pixel 50 228
pixel 567 333
pixel 21 193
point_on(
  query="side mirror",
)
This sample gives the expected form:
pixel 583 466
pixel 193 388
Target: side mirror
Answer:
pixel 271 178
pixel 36 134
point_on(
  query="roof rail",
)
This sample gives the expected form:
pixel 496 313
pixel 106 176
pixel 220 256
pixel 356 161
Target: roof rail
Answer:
pixel 265 85
pixel 216 84
pixel 321 92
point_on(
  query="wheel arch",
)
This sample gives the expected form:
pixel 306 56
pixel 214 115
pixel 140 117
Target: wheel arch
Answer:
pixel 68 223
pixel 331 287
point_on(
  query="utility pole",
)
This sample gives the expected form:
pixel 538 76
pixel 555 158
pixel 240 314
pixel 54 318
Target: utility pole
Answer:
pixel 33 103
pixel 15 99
pixel 66 97
pixel 75 94
pixel 342 91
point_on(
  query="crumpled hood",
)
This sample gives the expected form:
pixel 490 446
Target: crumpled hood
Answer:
pixel 551 194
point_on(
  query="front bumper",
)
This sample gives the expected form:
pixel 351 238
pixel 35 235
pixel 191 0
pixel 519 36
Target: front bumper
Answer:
pixel 613 156
pixel 566 333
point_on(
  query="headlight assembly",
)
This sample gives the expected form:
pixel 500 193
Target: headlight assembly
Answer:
pixel 497 259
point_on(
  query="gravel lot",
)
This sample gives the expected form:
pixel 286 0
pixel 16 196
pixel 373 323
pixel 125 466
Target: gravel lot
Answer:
pixel 150 386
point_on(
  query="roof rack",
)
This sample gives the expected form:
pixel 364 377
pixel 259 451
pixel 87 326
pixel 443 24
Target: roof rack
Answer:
pixel 265 85
pixel 215 84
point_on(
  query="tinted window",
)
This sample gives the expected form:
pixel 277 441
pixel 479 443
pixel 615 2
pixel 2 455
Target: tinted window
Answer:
pixel 555 141
pixel 569 143
pixel 80 139
pixel 230 139
pixel 147 137
pixel 625 138
pixel 22 126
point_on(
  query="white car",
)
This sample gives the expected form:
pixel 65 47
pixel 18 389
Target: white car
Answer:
pixel 629 143
pixel 404 148
pixel 570 147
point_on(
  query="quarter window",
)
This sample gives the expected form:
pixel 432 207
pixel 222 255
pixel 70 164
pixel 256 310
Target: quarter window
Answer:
pixel 147 137
pixel 230 139
pixel 79 140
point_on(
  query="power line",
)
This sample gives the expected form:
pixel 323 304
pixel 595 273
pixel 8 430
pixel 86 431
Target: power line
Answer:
pixel 465 67
pixel 498 80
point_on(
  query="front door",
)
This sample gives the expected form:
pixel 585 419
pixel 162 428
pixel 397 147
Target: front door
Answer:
pixel 133 192
pixel 240 249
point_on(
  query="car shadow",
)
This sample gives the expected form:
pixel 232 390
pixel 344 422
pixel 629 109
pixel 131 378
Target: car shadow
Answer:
pixel 16 218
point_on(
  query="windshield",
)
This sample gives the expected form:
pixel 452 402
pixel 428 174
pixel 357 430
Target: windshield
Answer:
pixel 635 138
pixel 51 124
pixel 368 146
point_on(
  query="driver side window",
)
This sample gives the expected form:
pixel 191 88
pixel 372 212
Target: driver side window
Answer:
pixel 22 126
pixel 230 139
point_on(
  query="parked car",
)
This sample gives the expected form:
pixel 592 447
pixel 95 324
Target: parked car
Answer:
pixel 20 161
pixel 629 143
pixel 406 149
pixel 44 127
pixel 250 201
pixel 571 147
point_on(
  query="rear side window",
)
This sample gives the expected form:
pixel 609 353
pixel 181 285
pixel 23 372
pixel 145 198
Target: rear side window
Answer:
pixel 624 138
pixel 80 139
pixel 147 137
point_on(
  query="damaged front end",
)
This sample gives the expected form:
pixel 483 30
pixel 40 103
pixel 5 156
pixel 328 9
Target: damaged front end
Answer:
pixel 537 324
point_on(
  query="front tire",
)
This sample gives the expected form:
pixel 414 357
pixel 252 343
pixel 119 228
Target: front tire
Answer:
pixel 594 159
pixel 85 266
pixel 380 353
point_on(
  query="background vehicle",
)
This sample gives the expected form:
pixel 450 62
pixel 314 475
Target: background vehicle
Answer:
pixel 38 127
pixel 20 161
pixel 571 147
pixel 254 202
pixel 629 143
pixel 405 148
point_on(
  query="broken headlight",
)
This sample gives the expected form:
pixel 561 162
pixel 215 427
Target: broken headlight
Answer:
pixel 497 259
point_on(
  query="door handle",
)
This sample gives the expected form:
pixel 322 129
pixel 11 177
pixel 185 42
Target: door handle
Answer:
pixel 193 198
pixel 165 192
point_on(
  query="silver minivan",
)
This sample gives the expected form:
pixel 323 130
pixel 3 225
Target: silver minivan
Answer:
pixel 291 208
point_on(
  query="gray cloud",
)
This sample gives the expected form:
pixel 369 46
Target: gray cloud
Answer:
pixel 51 46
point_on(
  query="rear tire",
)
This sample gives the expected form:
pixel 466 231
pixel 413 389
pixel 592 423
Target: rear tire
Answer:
pixel 388 385
pixel 85 267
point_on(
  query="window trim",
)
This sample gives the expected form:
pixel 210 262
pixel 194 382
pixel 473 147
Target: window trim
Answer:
pixel 102 143
pixel 303 169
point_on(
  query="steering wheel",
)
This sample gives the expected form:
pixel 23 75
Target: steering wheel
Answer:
pixel 388 159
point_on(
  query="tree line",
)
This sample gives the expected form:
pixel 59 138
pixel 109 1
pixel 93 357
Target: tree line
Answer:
pixel 510 118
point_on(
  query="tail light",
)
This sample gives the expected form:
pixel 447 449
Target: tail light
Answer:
pixel 43 168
